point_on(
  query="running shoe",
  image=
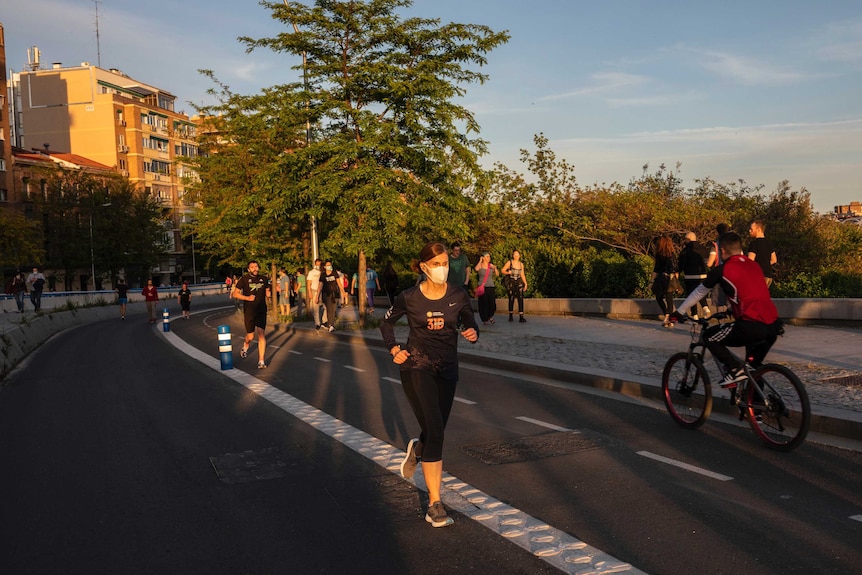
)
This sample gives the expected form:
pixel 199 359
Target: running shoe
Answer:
pixel 732 377
pixel 243 353
pixel 331 328
pixel 437 516
pixel 411 460
pixel 261 365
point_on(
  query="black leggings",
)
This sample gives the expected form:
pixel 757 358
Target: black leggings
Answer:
pixel 431 398
pixel 330 305
pixel 487 303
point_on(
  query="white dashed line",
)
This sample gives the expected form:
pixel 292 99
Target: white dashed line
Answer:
pixel 467 401
pixel 556 548
pixel 351 368
pixel 856 518
pixel 543 423
pixel 686 466
pixel 294 352
pixel 323 359
pixel 393 380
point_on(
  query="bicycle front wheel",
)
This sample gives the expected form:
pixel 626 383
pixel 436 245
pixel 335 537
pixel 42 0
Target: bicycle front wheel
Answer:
pixel 782 415
pixel 686 390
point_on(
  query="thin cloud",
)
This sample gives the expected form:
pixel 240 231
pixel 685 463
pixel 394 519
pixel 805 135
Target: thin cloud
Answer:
pixel 842 42
pixel 750 71
pixel 602 83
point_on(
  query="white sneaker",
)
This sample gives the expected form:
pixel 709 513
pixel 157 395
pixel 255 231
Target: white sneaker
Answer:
pixel 731 378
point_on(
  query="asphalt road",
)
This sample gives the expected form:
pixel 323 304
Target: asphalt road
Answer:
pixel 112 442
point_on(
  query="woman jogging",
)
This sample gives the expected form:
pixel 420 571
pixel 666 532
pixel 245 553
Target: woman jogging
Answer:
pixel 429 364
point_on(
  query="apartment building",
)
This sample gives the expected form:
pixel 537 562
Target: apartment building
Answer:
pixel 5 143
pixel 115 120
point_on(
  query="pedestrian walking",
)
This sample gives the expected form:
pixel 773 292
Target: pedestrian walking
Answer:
pixel 429 364
pixel 329 294
pixel 515 277
pixel 151 296
pixel 36 281
pixel 665 280
pixel 122 296
pixel 762 251
pixel 486 296
pixel 17 288
pixel 254 290
pixel 184 297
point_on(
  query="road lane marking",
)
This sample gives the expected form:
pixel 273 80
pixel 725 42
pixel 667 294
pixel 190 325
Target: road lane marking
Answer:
pixel 294 352
pixel 856 517
pixel 350 367
pixel 459 399
pixel 686 466
pixel 543 423
pixel 323 359
pixel 556 548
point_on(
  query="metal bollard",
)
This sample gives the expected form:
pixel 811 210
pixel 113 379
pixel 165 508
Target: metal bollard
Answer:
pixel 166 320
pixel 224 347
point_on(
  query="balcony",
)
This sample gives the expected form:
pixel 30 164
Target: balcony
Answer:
pixel 123 149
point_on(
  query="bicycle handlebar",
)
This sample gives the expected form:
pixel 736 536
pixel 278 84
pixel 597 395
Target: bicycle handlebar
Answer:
pixel 703 321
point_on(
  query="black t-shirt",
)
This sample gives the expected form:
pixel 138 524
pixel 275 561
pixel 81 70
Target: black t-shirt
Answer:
pixel 185 295
pixel 692 259
pixel 122 290
pixel 329 286
pixel 433 339
pixel 762 249
pixel 256 286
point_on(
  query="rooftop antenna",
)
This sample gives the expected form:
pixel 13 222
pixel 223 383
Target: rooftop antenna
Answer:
pixel 33 54
pixel 98 45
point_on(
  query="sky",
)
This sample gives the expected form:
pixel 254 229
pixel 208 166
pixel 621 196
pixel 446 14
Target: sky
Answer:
pixel 761 91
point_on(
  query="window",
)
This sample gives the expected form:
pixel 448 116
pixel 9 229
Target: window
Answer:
pixel 4 195
pixel 2 164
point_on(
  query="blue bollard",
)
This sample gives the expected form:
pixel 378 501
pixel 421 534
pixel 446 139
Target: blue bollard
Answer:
pixel 166 320
pixel 224 347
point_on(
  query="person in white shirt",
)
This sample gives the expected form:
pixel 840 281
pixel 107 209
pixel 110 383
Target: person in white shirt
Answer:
pixel 313 283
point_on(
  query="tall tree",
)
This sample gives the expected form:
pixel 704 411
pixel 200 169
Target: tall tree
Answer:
pixel 391 149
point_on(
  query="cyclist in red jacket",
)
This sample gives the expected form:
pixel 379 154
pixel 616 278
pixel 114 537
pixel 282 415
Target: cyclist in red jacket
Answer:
pixel 756 324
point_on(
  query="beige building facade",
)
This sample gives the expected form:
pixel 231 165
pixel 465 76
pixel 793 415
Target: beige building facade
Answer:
pixel 5 131
pixel 117 121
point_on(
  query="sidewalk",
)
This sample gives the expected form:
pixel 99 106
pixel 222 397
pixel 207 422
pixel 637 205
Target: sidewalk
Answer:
pixel 627 356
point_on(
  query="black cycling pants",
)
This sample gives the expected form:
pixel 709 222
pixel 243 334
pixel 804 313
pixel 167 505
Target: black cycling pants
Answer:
pixel 757 338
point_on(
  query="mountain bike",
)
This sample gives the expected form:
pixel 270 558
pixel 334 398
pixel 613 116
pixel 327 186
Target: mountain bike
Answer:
pixel 772 397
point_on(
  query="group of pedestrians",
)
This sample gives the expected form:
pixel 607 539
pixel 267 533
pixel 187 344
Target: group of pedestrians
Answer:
pixel 675 273
pixel 34 284
pixel 513 276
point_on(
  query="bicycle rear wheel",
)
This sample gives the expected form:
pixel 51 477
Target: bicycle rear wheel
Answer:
pixel 686 390
pixel 782 416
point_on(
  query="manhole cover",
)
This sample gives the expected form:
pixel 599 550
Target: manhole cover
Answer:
pixel 533 447
pixel 250 466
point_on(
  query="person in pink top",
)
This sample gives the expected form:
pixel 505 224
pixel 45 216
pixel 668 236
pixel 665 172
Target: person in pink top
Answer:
pixel 151 296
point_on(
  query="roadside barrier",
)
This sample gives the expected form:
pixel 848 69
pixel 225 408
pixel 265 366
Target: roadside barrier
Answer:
pixel 225 347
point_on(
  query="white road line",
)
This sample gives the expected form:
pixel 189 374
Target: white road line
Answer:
pixel 543 423
pixel 294 352
pixel 323 359
pixel 350 367
pixel 467 401
pixel 685 466
pixel 460 399
pixel 856 517
pixel 557 548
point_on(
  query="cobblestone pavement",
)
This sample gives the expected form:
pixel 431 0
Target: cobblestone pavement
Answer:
pixel 649 362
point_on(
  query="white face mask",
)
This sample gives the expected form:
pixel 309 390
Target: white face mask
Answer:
pixel 438 274
pixel 329 268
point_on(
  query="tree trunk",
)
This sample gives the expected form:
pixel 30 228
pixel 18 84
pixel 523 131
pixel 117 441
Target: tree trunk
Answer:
pixel 360 286
pixel 273 283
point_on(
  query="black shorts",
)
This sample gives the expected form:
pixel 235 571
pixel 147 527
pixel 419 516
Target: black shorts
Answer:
pixel 254 318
